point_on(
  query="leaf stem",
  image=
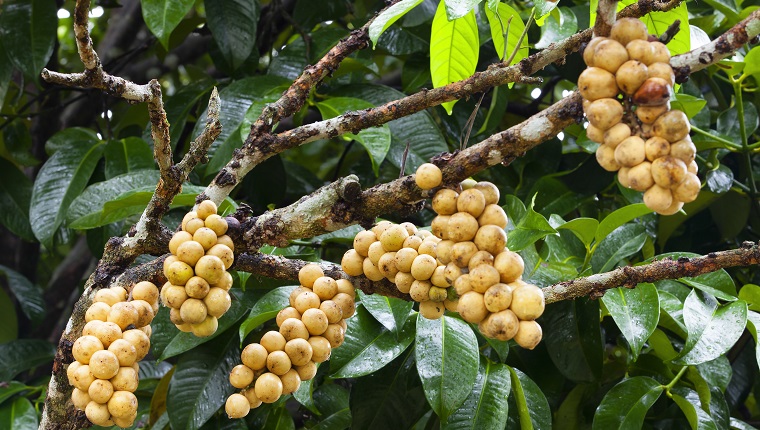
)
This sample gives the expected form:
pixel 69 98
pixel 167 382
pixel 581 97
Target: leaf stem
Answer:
pixel 672 383
pixel 714 137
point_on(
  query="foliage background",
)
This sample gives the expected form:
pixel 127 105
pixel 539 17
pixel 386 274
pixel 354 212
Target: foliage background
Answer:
pixel 76 168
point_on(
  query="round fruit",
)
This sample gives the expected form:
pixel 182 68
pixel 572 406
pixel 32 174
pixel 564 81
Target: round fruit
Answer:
pixel 490 192
pixel 640 176
pixel 293 328
pixel 320 348
pixel 491 238
pixel 510 266
pixel 673 126
pixel 616 134
pixel 653 92
pixel 461 226
pixel 461 253
pixel 210 268
pixel 609 55
pixel 352 263
pixel 104 364
pixel 501 325
pixel 268 388
pixel 471 307
pixel 656 147
pixel 393 238
pixel 178 273
pixel 237 406
pixel 428 176
pixel 193 311
pixel 307 371
pixel 278 362
pixel 332 310
pixel 273 341
pixel 241 376
pixel 640 50
pixel 362 241
pixel 224 253
pixel 254 356
pixel 445 202
pixel 631 151
pixel 124 351
pixel 527 302
pixel 649 114
pixel 85 347
pixel 688 189
pixel 290 381
pixel 631 75
pixel 126 379
pixel 604 113
pixel 432 310
pixel 98 414
pixel 493 215
pixel 668 171
pixel 498 297
pixel 100 390
pixel 98 311
pixel 482 277
pixel 299 351
pixel 625 30
pixel 471 201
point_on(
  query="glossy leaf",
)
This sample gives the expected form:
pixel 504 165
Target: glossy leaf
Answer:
pixel 671 314
pixel 304 394
pixel 388 16
pixel 729 126
pixel 753 324
pixel 15 197
pixel 388 311
pixel 332 402
pixel 750 293
pixel 688 104
pixel 626 404
pixel 532 407
pixel 486 406
pixel 233 24
pixel 621 243
pixel 27 32
pixel 127 155
pixel 752 61
pixel 456 9
pixel 560 24
pixel 454 47
pixel 8 319
pixel 584 228
pixel 688 401
pixel 200 384
pixel 163 16
pixel 712 329
pixel 18 415
pixel 368 346
pixel 28 295
pixel 531 227
pixel 23 354
pixel 60 180
pixel 636 312
pixel 6 71
pixel 573 338
pixel 719 180
pixel 389 398
pixel 376 140
pixel 266 308
pixel 619 217
pixel 505 17
pixel 718 283
pixel 447 362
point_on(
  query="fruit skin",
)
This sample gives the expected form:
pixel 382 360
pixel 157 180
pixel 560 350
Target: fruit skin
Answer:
pixel 268 388
pixel 595 83
pixel 237 406
pixel 428 176
pixel 527 302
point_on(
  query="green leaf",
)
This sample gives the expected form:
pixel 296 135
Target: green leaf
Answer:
pixel 688 400
pixel 28 295
pixel 127 155
pixel 376 140
pixel 163 16
pixel 87 210
pixel 532 406
pixel 391 398
pixel 560 24
pixel 304 394
pixel 23 354
pixel 388 311
pixel 636 312
pixel 486 406
pixel 752 62
pixel 15 197
pixel 251 115
pixel 279 419
pixel 266 308
pixel 368 346
pixel 750 293
pixel 626 404
pixel 60 180
pixel 182 342
pixel 712 329
pixel 179 105
pixel 200 384
pixel 332 402
pixel 620 217
pixel 584 228
pixel 456 9
pixel 623 242
pixel 661 345
pixel 729 126
pixel 573 338
pixel 531 227
pixel 753 323
pixel 688 104
pixel 8 319
pixel 447 362
pixel 388 16
pixel 27 32
pixel 740 425
pixel 6 72
pixel 499 21
pixel 18 415
pixel 454 48
pixel 233 24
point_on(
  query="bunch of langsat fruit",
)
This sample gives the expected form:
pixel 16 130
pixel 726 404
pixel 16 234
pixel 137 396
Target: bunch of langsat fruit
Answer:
pixel 114 339
pixel 464 265
pixel 641 138
pixel 313 324
pixel 196 272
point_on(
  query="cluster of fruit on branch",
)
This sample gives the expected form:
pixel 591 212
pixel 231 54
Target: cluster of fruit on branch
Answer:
pixel 626 90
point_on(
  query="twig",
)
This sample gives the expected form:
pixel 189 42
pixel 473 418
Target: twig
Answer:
pixel 670 32
pixel 605 17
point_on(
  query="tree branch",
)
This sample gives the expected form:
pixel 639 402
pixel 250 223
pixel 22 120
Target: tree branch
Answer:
pixel 605 17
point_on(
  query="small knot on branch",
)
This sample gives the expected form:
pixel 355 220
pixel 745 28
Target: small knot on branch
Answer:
pixel 747 244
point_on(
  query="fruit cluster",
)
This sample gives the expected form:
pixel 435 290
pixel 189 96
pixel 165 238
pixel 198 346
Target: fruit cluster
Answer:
pixel 198 281
pixel 114 339
pixel 626 90
pixel 309 329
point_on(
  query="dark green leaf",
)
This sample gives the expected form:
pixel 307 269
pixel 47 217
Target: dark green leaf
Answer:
pixel 87 212
pixel 618 218
pixel 584 228
pixel 376 140
pixel 729 126
pixel 720 180
pixel 233 24
pixel 15 197
pixel 573 338
pixel 531 227
pixel 501 19
pixel 23 354
pixel 279 419
pixel 27 32
pixel 388 17
pixel 266 308
pixel 18 415
pixel 388 311
pixel 304 394
pixel 486 406
pixel 8 319
pixel 60 180
pixel 454 44
pixel 180 104
pixel 532 406
pixel 331 399
pixel 753 324
pixel 621 243
pixel 712 329
pixel 28 295
pixel 717 373
pixel 200 384
pixel 740 425
pixel 368 346
pixel 163 16
pixel 6 71
pixel 10 389
pixel 688 401
pixel 626 404
pixel 447 362
pixel 660 343
pixel 391 398
pixel 127 155
pixel 636 312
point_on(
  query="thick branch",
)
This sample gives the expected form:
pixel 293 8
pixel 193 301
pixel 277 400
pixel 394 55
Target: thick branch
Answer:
pixel 630 276
pixel 605 17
